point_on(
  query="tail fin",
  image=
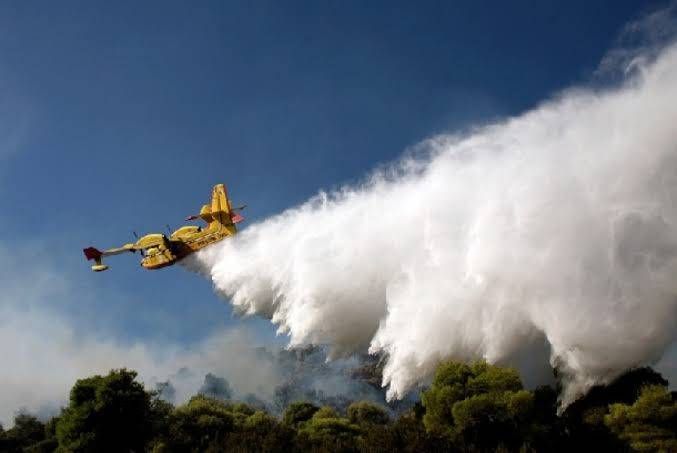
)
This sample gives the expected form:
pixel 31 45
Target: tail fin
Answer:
pixel 220 209
pixel 219 212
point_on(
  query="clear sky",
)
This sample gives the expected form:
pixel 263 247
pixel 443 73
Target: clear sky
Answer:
pixel 120 116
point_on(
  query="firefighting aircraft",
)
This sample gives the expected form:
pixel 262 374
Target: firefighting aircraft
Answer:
pixel 159 251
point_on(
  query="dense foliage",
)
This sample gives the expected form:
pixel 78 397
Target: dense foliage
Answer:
pixel 473 407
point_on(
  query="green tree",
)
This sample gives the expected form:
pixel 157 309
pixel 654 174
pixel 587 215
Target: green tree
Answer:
pixel 404 434
pixel 584 419
pixel 479 405
pixel 546 432
pixel 194 426
pixel 327 431
pixel 365 413
pixel 216 387
pixel 26 432
pixel 106 414
pixel 259 432
pixel 241 413
pixel 159 419
pixel 49 444
pixel 298 412
pixel 325 412
pixel 650 424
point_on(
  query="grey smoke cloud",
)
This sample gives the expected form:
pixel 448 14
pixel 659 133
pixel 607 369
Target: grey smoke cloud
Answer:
pixel 45 351
pixel 43 356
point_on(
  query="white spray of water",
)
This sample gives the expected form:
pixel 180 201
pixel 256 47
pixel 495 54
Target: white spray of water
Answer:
pixel 559 223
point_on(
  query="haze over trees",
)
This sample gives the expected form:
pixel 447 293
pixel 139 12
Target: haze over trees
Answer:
pixel 473 407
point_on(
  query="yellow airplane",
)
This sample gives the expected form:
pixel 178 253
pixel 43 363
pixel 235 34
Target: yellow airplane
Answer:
pixel 159 251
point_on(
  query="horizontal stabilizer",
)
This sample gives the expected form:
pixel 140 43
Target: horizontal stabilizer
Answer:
pixel 92 254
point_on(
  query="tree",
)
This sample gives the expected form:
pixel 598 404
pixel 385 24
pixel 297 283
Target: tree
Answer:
pixel 201 422
pixel 364 413
pixel 166 391
pixel 326 431
pixel 468 407
pixel 489 420
pixel 299 412
pixel 585 418
pixel 106 414
pixel 409 435
pixel 479 405
pixel 259 432
pixel 49 444
pixel 325 412
pixel 216 387
pixel 650 424
pixel 546 432
pixel 27 431
pixel 159 418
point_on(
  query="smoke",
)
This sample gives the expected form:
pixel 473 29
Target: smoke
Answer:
pixel 294 375
pixel 44 356
pixel 45 351
pixel 558 226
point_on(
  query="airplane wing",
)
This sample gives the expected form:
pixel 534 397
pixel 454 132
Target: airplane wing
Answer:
pixel 119 250
pixel 92 253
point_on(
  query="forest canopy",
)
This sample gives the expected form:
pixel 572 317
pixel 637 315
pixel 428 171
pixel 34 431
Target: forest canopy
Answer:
pixel 468 407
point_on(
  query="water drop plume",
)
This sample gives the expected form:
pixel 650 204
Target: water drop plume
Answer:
pixel 560 223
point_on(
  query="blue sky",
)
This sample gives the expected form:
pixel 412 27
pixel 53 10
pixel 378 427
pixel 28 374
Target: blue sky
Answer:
pixel 119 117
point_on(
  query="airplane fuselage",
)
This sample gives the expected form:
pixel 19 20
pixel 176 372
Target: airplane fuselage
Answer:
pixel 160 251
